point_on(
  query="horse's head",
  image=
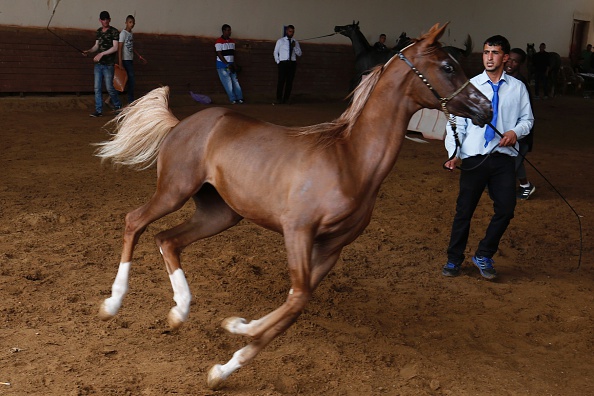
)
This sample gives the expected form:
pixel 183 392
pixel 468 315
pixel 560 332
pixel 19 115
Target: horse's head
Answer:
pixel 441 80
pixel 402 41
pixel 347 30
pixel 530 50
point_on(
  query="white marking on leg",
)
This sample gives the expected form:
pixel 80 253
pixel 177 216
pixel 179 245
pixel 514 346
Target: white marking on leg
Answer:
pixel 181 296
pixel 112 305
pixel 219 373
pixel 235 325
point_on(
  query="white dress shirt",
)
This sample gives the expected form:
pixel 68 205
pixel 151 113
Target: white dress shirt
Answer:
pixel 281 50
pixel 514 114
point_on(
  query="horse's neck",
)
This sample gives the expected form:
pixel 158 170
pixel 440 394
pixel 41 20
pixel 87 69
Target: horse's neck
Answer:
pixel 380 129
pixel 360 43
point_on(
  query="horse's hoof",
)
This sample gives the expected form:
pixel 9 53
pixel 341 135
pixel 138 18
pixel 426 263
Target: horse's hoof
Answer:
pixel 215 377
pixel 232 324
pixel 175 319
pixel 106 311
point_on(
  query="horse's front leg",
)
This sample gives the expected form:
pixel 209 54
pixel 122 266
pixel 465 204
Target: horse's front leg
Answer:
pixel 220 372
pixel 299 248
pixel 265 329
pixel 323 260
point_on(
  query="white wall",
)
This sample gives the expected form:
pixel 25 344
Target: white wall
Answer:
pixel 548 21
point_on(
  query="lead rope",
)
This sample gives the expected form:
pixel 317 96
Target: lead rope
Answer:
pixel 327 35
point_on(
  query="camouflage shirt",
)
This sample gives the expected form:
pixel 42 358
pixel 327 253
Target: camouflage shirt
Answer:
pixel 105 40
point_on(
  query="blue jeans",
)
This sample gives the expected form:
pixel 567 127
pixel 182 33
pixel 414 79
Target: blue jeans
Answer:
pixel 105 73
pixel 231 85
pixel 128 65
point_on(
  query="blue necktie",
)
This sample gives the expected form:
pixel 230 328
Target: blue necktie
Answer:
pixel 290 50
pixel 490 132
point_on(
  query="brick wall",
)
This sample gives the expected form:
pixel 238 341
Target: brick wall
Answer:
pixel 36 61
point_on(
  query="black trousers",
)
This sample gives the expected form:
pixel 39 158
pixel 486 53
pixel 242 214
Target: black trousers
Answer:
pixel 286 74
pixel 497 173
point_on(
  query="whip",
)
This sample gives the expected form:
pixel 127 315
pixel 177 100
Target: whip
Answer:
pixel 55 34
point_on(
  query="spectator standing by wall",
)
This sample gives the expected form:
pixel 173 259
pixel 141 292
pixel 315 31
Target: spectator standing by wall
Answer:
pixel 225 48
pixel 106 46
pixel 126 53
pixel 286 51
pixel 542 66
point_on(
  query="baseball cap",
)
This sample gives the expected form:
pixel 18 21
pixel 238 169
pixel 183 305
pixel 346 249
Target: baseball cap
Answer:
pixel 104 15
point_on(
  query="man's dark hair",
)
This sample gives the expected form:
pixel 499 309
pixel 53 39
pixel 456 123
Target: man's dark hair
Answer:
pixel 520 52
pixel 131 17
pixel 225 26
pixel 498 40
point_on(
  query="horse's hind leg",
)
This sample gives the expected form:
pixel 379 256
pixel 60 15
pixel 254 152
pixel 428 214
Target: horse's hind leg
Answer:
pixel 212 216
pixel 161 204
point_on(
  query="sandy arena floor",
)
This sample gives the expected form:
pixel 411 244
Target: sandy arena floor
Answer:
pixel 384 322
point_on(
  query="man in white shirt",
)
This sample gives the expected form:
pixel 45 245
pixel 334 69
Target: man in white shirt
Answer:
pixel 487 160
pixel 126 53
pixel 285 54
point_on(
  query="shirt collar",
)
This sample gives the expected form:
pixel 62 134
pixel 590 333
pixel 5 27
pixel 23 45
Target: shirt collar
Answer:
pixel 483 78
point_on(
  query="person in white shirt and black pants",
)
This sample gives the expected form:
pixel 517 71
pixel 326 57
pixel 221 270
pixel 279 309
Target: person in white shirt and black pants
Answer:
pixel 286 52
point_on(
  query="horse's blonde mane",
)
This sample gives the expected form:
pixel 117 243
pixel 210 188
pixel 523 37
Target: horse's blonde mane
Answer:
pixel 341 127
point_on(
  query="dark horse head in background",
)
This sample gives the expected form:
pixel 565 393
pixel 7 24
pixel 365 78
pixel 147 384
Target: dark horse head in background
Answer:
pixel 458 53
pixel 366 56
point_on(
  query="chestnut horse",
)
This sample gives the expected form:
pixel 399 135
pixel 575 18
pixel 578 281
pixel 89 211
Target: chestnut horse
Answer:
pixel 315 185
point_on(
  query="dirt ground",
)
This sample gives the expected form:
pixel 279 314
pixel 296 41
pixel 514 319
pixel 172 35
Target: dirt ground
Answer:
pixel 384 322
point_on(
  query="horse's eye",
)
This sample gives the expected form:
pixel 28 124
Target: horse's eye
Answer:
pixel 448 68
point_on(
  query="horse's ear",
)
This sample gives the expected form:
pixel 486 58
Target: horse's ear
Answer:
pixel 434 34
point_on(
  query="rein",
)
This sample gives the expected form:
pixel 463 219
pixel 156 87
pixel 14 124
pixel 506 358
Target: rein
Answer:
pixel 326 35
pixel 444 102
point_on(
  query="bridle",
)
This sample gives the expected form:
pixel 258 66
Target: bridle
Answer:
pixel 442 100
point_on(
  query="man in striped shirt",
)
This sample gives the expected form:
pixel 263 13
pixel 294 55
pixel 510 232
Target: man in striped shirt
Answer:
pixel 225 48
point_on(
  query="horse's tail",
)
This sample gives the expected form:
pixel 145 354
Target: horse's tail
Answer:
pixel 139 130
pixel 468 46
